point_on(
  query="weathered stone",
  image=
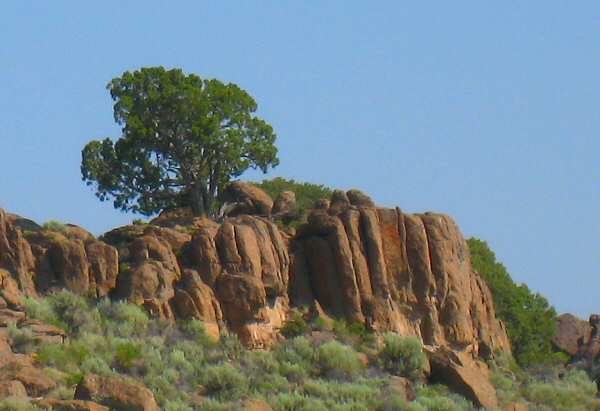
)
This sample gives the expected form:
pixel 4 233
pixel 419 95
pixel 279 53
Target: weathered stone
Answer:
pixel 104 267
pixel 13 389
pixel 464 375
pixel 35 381
pixel 116 393
pixel 359 199
pixel 246 198
pixel 285 205
pixel 194 299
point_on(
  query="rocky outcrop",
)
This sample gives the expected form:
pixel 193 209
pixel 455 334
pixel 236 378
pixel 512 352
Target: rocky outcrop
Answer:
pixel 464 375
pixel 578 338
pixel 391 271
pixel 116 393
pixel 245 198
pixel 397 272
pixel 572 334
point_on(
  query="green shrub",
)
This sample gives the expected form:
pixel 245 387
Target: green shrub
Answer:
pixel 340 392
pixel 336 360
pixel 17 405
pixel 574 392
pixel 298 351
pixel 126 353
pixel 402 356
pixel 224 381
pixel 530 321
pixel 22 340
pixel 438 398
pixel 123 319
pixel 56 226
pixel 296 402
pixel 295 327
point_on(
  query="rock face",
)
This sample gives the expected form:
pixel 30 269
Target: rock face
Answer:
pixel 392 271
pixel 578 338
pixel 115 393
pixel 572 334
pixel 397 272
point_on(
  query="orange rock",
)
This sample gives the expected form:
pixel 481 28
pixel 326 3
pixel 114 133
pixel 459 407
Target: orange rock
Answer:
pixel 116 392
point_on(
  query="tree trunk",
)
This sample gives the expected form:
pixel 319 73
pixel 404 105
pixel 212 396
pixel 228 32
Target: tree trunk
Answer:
pixel 197 201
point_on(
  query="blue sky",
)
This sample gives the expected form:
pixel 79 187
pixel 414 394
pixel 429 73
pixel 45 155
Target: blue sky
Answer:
pixel 487 112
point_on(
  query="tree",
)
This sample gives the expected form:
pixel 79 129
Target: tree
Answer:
pixel 530 321
pixel 183 139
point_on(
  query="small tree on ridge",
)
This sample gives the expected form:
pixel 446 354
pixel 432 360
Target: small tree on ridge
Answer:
pixel 183 139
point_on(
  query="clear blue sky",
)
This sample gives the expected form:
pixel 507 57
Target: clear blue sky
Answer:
pixel 486 111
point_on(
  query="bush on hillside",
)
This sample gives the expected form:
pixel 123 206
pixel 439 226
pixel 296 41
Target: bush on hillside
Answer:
pixel 530 320
pixel 402 356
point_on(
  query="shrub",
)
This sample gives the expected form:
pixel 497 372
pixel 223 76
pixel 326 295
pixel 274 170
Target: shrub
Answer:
pixel 574 392
pixel 298 351
pixel 338 361
pixel 437 398
pixel 295 327
pixel 123 319
pixel 22 340
pixel 56 226
pixel 224 381
pixel 340 392
pixel 530 321
pixel 402 356
pixel 17 405
pixel 126 353
pixel 296 402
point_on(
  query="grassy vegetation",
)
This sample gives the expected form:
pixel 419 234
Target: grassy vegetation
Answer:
pixel 351 370
pixel 530 320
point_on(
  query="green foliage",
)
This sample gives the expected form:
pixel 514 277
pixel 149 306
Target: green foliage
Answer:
pixel 22 341
pixel 295 327
pixel 402 356
pixel 178 361
pixel 183 138
pixel 574 392
pixel 10 404
pixel 224 381
pixel 306 193
pixel 56 226
pixel 339 361
pixel 530 321
pixel 126 353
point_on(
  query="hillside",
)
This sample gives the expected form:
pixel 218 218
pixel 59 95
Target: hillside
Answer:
pixel 360 282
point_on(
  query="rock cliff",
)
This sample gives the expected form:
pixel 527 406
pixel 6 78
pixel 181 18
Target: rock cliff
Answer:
pixel 392 271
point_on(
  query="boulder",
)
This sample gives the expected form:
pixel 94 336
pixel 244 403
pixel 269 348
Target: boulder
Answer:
pixel 464 375
pixel 572 334
pixel 116 393
pixel 246 198
pixel 359 199
pixel 21 369
pixel 12 389
pixel 285 205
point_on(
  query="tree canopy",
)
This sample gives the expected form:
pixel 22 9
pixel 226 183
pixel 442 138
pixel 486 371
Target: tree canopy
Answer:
pixel 530 321
pixel 183 139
